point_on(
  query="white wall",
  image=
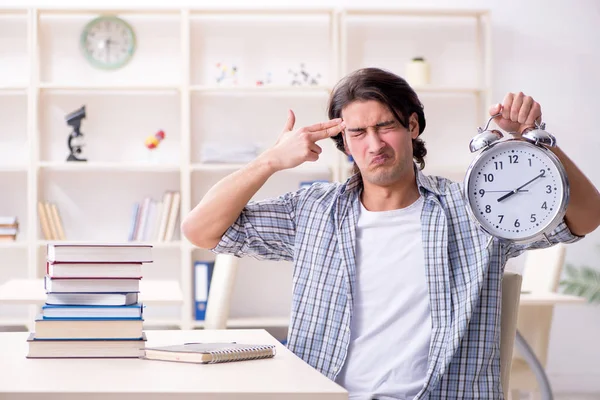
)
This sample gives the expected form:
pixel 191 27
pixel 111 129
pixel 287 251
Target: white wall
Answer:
pixel 547 49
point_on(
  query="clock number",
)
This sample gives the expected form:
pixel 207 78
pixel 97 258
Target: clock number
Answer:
pixel 498 164
pixel 533 219
pixel 481 192
pixel 517 224
pixel 542 172
pixel 548 189
pixel 544 206
pixel 488 177
pixel 501 218
pixel 514 159
pixel 529 161
pixel 488 209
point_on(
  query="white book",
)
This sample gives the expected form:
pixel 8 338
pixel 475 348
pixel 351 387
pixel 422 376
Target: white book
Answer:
pixel 92 299
pixel 8 220
pixel 102 285
pixel 95 270
pixel 99 252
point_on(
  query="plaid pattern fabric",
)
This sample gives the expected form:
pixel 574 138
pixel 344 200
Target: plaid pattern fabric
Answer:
pixel 315 228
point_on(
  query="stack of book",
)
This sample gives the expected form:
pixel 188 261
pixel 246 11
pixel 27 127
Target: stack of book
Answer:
pixel 9 227
pixel 92 308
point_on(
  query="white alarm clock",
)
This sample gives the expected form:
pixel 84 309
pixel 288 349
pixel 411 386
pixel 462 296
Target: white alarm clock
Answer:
pixel 108 42
pixel 516 188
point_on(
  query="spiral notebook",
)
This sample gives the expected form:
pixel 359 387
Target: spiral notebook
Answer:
pixel 209 353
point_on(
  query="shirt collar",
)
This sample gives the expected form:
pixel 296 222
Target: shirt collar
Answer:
pixel 424 183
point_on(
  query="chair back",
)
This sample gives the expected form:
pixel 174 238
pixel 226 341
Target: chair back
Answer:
pixel 542 269
pixel 511 295
pixel 221 290
pixel 541 274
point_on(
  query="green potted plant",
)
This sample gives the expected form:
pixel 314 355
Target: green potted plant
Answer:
pixel 582 281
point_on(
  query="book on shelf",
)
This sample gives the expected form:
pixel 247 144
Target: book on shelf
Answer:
pixel 154 220
pixel 202 277
pixel 9 228
pixel 50 221
pixel 210 353
pixel 85 348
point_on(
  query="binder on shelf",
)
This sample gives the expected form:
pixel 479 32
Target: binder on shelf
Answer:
pixel 202 275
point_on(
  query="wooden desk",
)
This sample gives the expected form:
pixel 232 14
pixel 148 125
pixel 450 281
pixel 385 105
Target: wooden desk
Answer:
pixel 31 291
pixel 548 299
pixel 283 377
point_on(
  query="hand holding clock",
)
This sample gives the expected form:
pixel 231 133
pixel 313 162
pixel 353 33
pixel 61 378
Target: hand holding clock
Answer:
pixel 519 112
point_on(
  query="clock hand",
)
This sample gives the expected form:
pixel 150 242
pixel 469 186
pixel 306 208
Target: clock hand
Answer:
pixel 504 191
pixel 513 192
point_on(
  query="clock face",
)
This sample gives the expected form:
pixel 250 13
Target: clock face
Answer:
pixel 108 42
pixel 516 190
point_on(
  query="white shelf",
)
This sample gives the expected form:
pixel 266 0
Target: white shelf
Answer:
pixel 14 168
pixel 6 322
pixel 107 166
pixel 12 90
pixel 17 244
pixel 306 168
pixel 417 12
pixel 32 292
pixel 448 90
pixel 267 89
pixel 59 11
pixel 175 244
pixel 257 322
pixel 172 87
pixel 67 88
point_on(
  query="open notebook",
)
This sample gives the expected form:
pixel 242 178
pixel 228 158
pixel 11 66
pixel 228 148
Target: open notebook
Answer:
pixel 210 353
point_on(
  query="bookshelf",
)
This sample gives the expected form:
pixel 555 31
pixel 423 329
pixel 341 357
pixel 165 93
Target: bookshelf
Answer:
pixel 170 84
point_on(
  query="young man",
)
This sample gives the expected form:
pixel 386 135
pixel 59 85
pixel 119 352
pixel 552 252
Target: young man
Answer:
pixel 396 294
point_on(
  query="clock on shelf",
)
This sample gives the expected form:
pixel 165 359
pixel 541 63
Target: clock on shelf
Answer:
pixel 108 42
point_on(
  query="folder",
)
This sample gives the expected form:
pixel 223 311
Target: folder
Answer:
pixel 202 276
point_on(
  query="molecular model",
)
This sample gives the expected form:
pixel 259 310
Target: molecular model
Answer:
pixel 153 141
pixel 226 74
pixel 302 77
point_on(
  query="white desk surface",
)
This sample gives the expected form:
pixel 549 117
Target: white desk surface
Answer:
pixel 31 291
pixel 549 299
pixel 285 376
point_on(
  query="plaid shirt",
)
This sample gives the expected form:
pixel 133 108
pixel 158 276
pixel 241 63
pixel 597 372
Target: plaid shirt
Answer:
pixel 315 228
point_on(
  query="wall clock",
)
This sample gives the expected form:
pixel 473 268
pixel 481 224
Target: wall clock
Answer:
pixel 108 42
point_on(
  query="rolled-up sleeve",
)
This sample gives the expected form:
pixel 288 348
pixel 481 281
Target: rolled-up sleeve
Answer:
pixel 264 230
pixel 560 234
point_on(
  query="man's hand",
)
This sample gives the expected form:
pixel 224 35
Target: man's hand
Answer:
pixel 519 112
pixel 296 147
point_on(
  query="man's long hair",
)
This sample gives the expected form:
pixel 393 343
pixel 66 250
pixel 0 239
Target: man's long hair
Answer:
pixel 387 88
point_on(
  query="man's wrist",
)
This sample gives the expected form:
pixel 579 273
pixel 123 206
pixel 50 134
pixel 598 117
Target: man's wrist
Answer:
pixel 267 163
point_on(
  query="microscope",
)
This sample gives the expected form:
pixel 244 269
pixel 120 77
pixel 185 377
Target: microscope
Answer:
pixel 74 141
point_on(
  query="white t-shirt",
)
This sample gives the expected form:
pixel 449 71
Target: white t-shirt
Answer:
pixel 391 321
